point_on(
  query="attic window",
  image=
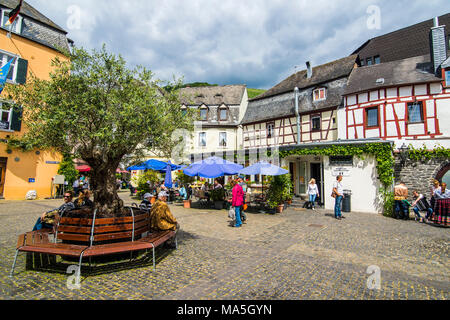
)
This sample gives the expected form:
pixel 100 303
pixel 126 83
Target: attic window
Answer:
pixel 319 94
pixel 16 27
pixel 200 96
pixel 219 95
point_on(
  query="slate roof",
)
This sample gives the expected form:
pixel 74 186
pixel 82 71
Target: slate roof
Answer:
pixel 38 27
pixel 279 102
pixel 402 72
pixel 31 12
pixel 405 43
pixel 213 95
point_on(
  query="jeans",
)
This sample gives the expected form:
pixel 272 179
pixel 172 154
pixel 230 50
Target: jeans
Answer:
pixel 337 207
pixel 39 225
pixel 429 212
pixel 238 216
pixel 312 199
pixel 401 206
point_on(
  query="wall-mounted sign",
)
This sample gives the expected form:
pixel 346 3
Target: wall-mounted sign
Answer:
pixel 32 180
pixel 447 78
pixel 52 162
pixel 341 171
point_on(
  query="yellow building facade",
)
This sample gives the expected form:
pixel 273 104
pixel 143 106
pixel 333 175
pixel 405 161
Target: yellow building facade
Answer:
pixel 32 43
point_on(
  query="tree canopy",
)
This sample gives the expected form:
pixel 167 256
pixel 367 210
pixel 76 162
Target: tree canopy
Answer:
pixel 96 109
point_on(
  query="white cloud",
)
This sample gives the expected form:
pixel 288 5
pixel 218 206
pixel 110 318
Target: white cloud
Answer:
pixel 255 42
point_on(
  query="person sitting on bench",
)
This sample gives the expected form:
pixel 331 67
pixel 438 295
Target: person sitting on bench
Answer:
pixel 161 219
pixel 48 219
pixel 421 204
pixel 84 199
pixel 146 203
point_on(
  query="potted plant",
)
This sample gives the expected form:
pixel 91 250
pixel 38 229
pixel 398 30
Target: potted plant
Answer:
pixel 218 197
pixel 280 190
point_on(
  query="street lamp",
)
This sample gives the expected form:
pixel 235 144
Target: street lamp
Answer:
pixel 404 153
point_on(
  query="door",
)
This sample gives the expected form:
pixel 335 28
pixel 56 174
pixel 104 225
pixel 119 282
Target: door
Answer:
pixel 302 178
pixel 292 172
pixel 2 175
pixel 316 173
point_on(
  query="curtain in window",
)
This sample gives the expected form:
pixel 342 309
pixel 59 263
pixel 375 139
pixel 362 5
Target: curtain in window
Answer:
pixel 415 113
pixel 202 139
pixel 223 139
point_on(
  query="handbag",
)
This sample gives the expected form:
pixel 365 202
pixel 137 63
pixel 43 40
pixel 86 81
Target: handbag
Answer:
pixel 231 213
pixel 333 194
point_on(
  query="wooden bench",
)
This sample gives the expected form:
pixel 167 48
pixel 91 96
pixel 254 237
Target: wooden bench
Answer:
pixel 81 238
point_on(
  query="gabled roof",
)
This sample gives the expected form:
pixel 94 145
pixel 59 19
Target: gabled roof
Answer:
pixel 404 43
pixel 213 95
pixel 321 74
pixel 31 12
pixel 402 72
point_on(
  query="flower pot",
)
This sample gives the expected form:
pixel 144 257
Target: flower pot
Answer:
pixel 187 204
pixel 280 208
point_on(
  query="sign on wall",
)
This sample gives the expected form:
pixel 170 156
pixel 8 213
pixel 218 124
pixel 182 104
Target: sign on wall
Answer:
pixel 447 78
pixel 340 171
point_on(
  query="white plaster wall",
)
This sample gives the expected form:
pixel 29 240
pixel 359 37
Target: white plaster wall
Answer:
pixel 363 183
pixel 341 124
pixel 443 115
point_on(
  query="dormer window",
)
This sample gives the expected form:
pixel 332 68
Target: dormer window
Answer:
pixel 16 27
pixel 183 110
pixel 223 114
pixel 319 94
pixel 203 113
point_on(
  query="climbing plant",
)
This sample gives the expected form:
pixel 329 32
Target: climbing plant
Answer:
pixel 424 154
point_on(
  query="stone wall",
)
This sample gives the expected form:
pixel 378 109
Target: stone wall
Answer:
pixel 418 175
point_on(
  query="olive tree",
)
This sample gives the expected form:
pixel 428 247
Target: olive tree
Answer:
pixel 96 109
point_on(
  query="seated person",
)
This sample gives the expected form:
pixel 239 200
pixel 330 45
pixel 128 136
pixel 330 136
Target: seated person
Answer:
pixel 84 200
pixel 421 204
pixel 161 219
pixel 217 185
pixel 183 193
pixel 442 192
pixel 48 219
pixel 146 203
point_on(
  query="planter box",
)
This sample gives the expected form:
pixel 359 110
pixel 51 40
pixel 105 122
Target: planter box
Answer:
pixel 187 204
pixel 218 205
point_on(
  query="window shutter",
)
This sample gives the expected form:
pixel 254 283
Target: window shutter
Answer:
pixel 22 68
pixel 16 119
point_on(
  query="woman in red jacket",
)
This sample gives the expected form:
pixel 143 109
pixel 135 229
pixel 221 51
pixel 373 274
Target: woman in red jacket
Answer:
pixel 237 202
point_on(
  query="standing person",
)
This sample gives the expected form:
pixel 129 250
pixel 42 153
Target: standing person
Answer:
pixel 86 184
pixel 421 204
pixel 313 192
pixel 244 188
pixel 237 202
pixel 434 187
pixel 217 185
pixel 48 219
pixel 400 196
pixel 338 191
pixel 76 186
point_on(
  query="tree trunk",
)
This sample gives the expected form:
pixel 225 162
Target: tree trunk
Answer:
pixel 104 186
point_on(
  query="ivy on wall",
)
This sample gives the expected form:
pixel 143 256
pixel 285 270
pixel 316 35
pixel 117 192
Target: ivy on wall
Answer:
pixel 382 152
pixel 423 154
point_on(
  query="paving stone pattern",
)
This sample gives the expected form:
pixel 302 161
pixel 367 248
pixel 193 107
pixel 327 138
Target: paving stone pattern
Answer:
pixel 295 255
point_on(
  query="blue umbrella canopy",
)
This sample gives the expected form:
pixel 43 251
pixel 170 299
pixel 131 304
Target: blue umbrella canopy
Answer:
pixel 263 168
pixel 155 165
pixel 213 167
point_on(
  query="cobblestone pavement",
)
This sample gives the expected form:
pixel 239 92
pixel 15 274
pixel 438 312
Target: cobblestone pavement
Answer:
pixel 294 255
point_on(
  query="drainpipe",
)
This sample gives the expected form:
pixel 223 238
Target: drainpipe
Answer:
pixel 297 113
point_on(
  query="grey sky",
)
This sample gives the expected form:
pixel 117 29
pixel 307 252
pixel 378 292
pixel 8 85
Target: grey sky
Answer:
pixel 253 42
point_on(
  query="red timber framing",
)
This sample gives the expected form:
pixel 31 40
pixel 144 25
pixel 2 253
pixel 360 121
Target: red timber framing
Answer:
pixel 386 105
pixel 287 127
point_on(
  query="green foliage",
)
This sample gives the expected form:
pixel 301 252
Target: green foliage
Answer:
pixel 184 179
pixel 67 169
pixel 96 109
pixel 253 93
pixel 388 203
pixel 280 190
pixel 423 154
pixel 142 186
pixel 172 87
pixel 217 194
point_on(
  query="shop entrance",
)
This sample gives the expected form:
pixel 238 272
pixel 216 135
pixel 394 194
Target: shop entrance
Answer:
pixel 316 172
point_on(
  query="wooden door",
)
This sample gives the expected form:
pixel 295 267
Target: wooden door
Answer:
pixel 2 176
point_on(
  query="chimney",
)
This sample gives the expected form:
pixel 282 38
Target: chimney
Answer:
pixel 309 70
pixel 438 45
